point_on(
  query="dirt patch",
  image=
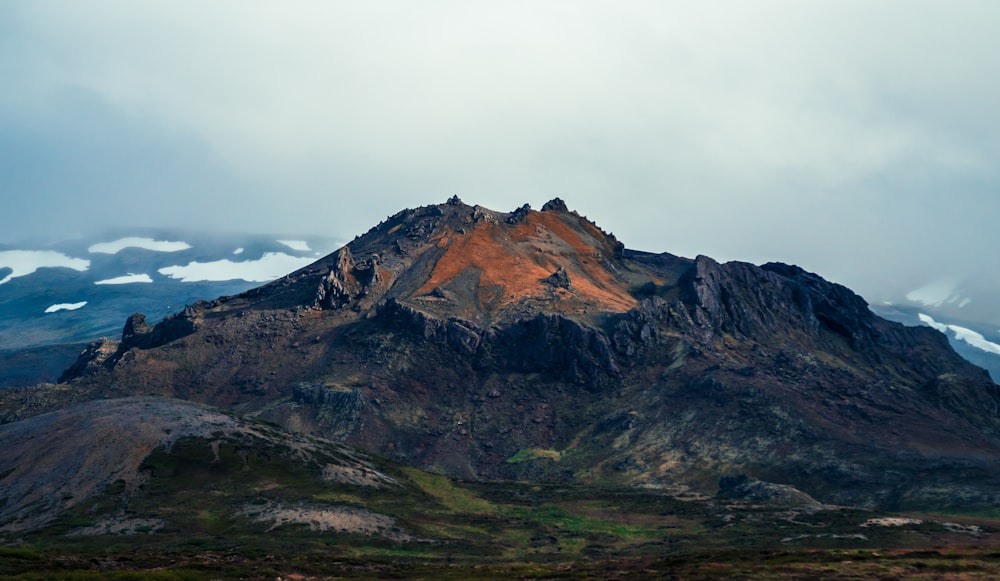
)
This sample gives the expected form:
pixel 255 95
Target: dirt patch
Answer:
pixel 891 521
pixel 356 475
pixel 341 519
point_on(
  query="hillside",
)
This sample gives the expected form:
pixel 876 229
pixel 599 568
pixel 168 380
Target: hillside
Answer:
pixel 112 489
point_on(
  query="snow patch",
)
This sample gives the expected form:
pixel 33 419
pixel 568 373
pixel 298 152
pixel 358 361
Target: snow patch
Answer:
pixel 269 267
pixel 127 279
pixel 25 262
pixel 975 339
pixel 936 293
pixel 962 334
pixel 930 322
pixel 137 242
pixel 300 245
pixel 65 307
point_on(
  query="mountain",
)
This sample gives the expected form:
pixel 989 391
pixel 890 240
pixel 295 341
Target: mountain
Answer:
pixel 56 297
pixel 964 309
pixel 532 345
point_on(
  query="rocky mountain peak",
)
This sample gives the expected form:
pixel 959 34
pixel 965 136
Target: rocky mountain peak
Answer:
pixel 455 260
pixel 488 344
pixel 555 205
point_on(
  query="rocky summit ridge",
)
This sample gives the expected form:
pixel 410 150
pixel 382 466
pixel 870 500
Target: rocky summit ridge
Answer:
pixel 534 345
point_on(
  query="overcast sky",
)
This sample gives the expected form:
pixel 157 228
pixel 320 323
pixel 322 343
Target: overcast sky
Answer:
pixel 859 139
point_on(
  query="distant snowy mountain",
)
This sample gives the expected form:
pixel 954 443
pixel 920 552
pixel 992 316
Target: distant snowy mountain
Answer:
pixel 965 310
pixel 76 291
pixel 972 297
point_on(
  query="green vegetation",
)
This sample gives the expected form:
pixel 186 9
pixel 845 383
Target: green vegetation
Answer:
pixel 442 528
pixel 453 498
pixel 528 454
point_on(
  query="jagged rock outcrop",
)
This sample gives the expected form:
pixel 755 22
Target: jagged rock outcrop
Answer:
pixel 462 336
pixel 555 205
pixel 559 279
pixel 338 410
pixel 581 354
pixel 829 304
pixel 346 281
pixel 518 215
pixel 545 343
pixel 91 359
pixel 136 334
pixel 135 327
pixel 749 300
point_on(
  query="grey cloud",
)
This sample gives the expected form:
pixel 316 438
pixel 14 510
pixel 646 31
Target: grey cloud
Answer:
pixel 858 139
pixel 85 165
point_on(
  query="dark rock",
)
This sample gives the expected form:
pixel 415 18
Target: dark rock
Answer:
pixel 518 215
pixel 833 305
pixel 321 395
pixel 548 343
pixel 553 343
pixel 741 298
pixel 92 359
pixel 744 487
pixel 555 205
pixel 171 328
pixel 463 337
pixel 647 289
pixel 337 410
pixel 347 280
pixel 134 326
pixel 482 215
pixel 339 286
pixel 558 279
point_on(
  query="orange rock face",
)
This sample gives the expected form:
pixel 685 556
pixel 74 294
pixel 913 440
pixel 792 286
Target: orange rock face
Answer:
pixel 512 263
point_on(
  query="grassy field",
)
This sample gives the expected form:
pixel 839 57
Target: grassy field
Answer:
pixel 241 513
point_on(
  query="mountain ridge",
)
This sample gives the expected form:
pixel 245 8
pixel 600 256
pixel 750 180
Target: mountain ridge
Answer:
pixel 533 345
